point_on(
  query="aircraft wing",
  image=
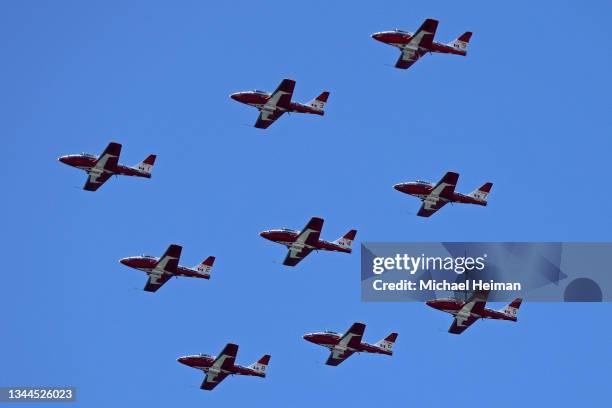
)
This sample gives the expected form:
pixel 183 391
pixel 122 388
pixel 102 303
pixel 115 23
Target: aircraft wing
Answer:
pixel 266 118
pixel 155 282
pixel 227 357
pixel 419 44
pixel 338 356
pixel 95 181
pixel 459 326
pixel 277 104
pixel 306 239
pixel 104 168
pixel 170 259
pixel 311 232
pixel 350 339
pixel 428 208
pixel 470 312
pixel 295 255
pixel 212 379
pixel 217 372
pixel 446 186
pixel 281 97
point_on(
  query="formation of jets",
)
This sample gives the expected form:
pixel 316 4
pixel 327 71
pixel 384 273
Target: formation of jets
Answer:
pixel 271 107
pixel 301 243
pixel 468 312
pixel 436 196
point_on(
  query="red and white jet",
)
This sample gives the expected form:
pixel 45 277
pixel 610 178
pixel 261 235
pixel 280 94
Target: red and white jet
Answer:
pixel 437 196
pixel 160 270
pixel 272 106
pixel 414 46
pixel 342 346
pixel 301 243
pixel 101 168
pixel 466 313
pixel 219 367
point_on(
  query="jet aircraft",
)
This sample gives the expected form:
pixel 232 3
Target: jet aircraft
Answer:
pixel 342 346
pixel 272 106
pixel 160 270
pixel 466 313
pixel 100 168
pixel 301 243
pixel 437 196
pixel 415 45
pixel 219 367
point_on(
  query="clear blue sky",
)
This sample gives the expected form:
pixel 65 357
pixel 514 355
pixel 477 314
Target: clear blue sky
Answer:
pixel 529 109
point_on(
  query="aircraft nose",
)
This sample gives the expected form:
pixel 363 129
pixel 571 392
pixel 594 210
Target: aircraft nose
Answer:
pixel 398 186
pixel 265 234
pixel 377 36
pixel 63 159
pixel 124 261
pixel 182 360
pixel 235 96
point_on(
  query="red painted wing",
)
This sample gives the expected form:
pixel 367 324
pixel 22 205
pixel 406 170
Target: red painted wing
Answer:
pixel 267 118
pixel 294 256
pixel 459 327
pixel 336 357
pixel 427 210
pixel 212 380
pixel 94 182
pixel 155 282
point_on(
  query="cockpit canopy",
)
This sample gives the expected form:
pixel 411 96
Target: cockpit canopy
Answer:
pixel 287 229
pixel 260 92
pixel 397 30
pixel 149 256
pixel 93 156
pixel 423 182
pixel 331 332
pixel 205 355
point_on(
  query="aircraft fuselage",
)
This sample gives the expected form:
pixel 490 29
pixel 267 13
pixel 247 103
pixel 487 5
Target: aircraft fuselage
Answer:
pixel 401 39
pixel 454 306
pixel 423 191
pixel 332 340
pixel 88 162
pixel 205 362
pixel 258 100
pixel 148 264
pixel 289 237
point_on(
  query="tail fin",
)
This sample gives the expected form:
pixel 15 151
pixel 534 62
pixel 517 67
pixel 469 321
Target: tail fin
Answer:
pixel 461 42
pixel 387 343
pixel 346 240
pixel 147 164
pixel 319 101
pixel 205 267
pixel 261 365
pixel 513 308
pixel 482 192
